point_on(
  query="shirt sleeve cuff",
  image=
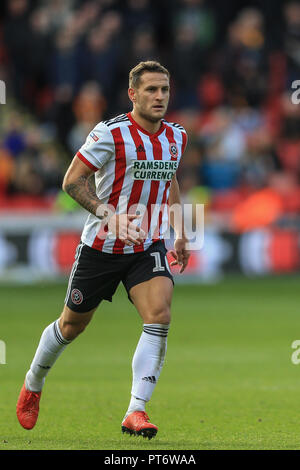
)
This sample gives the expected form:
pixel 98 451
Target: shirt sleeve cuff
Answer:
pixel 86 161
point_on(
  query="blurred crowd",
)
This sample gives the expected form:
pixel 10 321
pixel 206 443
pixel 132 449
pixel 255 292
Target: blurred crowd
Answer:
pixel 66 64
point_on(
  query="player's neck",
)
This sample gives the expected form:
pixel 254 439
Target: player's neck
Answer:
pixel 151 127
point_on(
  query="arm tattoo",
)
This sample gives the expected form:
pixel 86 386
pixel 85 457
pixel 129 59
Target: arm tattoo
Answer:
pixel 84 192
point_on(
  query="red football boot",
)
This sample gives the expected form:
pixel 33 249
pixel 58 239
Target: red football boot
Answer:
pixel 28 408
pixel 138 423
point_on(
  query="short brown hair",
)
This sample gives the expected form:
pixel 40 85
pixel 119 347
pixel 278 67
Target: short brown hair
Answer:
pixel 148 66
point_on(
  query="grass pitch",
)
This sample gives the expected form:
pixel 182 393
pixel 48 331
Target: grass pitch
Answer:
pixel 228 381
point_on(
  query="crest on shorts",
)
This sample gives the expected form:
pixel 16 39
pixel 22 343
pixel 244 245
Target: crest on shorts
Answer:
pixel 173 150
pixel 76 296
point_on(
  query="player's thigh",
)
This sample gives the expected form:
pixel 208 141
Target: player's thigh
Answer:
pixel 72 323
pixel 153 298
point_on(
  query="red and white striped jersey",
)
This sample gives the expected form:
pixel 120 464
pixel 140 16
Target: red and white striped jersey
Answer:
pixel 133 172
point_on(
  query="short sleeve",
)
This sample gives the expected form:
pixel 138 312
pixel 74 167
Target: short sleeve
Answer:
pixel 184 141
pixel 98 147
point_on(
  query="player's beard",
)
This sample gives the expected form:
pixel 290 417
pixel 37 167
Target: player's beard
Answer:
pixel 150 118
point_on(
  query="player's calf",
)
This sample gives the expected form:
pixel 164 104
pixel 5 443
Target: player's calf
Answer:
pixel 73 323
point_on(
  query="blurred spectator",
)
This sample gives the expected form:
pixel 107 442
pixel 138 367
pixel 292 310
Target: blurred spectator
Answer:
pixel 268 205
pixel 88 108
pixel 16 31
pixel 243 60
pixel 7 168
pixel 139 15
pixel 210 91
pixel 39 41
pixel 143 47
pixel 261 159
pixel 224 148
pixel 193 35
pixel 58 13
pixel 26 179
pixel 289 140
pixel 65 70
pixel 14 139
pixel 186 64
pixel 30 162
pixel 50 168
pixel 291 12
pixel 260 209
pixel 103 53
pixel 197 15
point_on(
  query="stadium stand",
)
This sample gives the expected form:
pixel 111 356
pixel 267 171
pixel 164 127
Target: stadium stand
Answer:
pixel 65 65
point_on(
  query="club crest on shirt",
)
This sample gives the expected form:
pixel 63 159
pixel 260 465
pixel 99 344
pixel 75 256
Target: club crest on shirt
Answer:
pixel 173 150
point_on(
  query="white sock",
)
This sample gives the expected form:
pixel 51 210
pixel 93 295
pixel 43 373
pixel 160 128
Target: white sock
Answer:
pixel 51 345
pixel 147 363
pixel 136 404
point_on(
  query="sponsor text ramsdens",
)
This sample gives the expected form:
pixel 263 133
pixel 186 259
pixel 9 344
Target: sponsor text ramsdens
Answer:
pixel 154 170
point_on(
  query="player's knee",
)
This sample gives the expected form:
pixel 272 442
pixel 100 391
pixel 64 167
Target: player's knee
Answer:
pixel 159 314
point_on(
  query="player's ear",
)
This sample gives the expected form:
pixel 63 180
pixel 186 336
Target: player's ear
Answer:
pixel 132 94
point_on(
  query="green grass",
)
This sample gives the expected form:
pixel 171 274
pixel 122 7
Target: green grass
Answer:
pixel 228 381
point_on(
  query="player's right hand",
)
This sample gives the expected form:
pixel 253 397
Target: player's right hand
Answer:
pixel 123 227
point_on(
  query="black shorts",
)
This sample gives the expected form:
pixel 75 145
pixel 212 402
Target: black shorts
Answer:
pixel 95 275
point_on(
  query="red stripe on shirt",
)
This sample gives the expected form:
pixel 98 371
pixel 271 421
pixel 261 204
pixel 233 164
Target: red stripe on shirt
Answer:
pixel 84 160
pixel 137 186
pixel 170 136
pixel 120 169
pixel 156 233
pixel 146 222
pixel 184 142
pixel 171 140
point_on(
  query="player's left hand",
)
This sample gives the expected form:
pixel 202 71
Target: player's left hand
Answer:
pixel 180 253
